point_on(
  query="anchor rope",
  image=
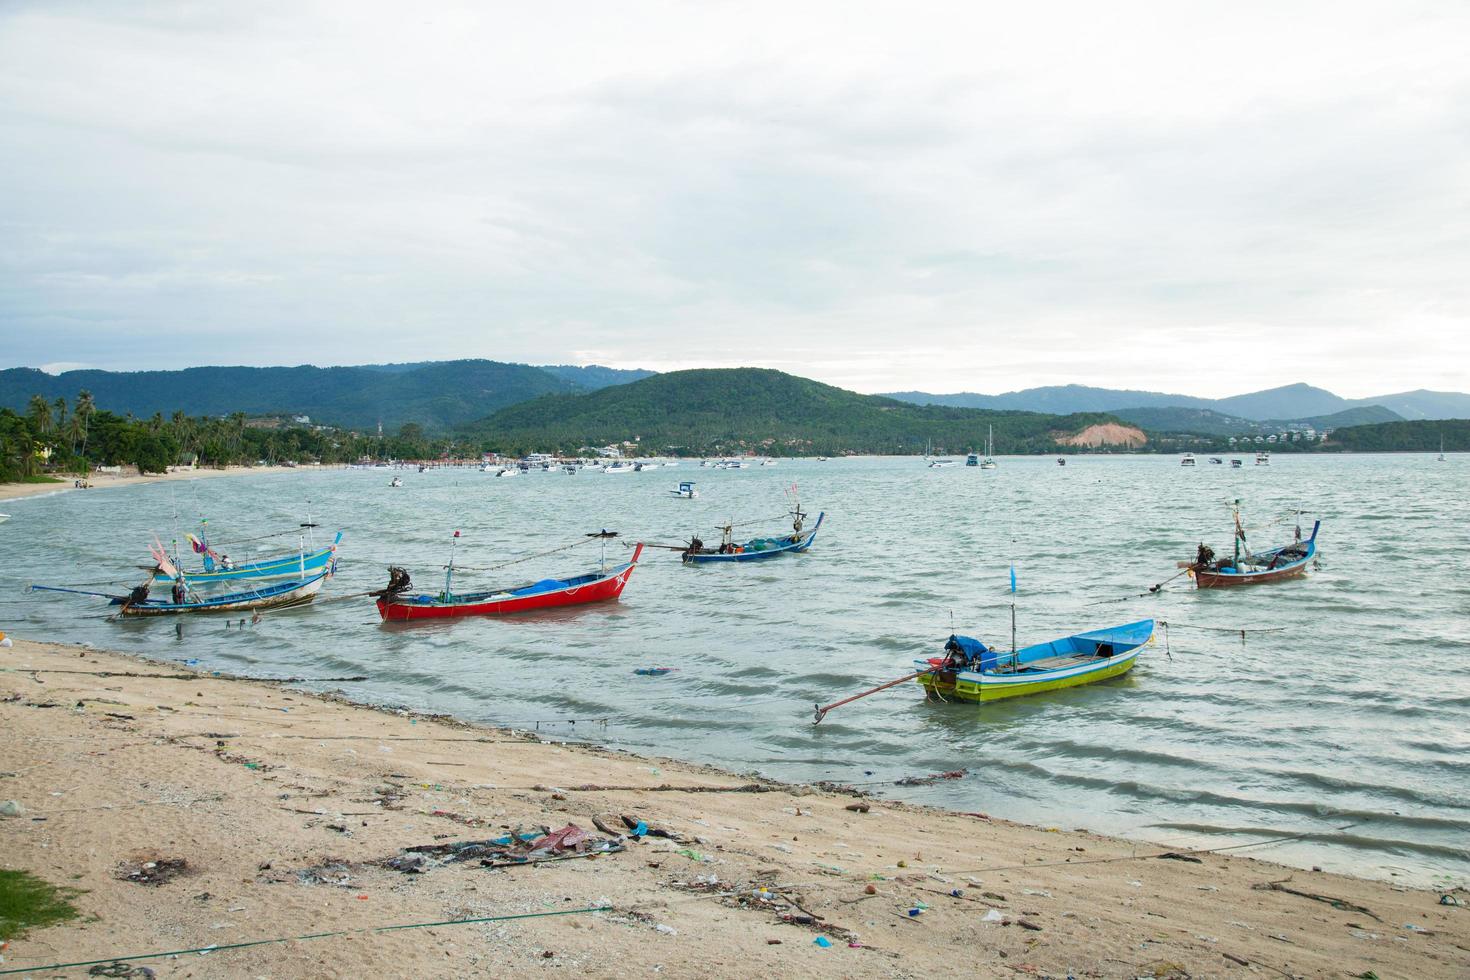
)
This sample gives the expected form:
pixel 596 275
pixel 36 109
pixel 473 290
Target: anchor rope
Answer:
pixel 507 564
pixel 311 935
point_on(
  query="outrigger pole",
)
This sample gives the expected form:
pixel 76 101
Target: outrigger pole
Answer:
pixel 821 711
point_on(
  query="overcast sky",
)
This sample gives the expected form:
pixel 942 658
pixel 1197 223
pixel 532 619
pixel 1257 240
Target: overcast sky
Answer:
pixel 1209 198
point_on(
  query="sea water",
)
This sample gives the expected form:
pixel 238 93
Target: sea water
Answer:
pixel 1344 722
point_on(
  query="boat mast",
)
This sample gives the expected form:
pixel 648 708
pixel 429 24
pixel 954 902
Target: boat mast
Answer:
pixel 1013 619
pixel 449 569
pixel 1239 533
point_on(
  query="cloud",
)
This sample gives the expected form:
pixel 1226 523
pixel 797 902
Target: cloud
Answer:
pixel 884 197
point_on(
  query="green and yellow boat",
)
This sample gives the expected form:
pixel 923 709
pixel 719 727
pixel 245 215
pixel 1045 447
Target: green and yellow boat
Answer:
pixel 971 671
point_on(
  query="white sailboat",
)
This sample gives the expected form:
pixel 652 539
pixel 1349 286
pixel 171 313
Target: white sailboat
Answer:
pixel 988 463
pixel 1441 449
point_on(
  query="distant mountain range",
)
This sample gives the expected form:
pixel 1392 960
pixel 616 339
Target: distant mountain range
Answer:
pixel 449 396
pixel 437 395
pixel 1295 402
pixel 753 409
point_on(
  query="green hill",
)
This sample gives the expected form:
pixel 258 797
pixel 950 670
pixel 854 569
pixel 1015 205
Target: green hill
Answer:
pixel 438 396
pixel 1205 421
pixel 1418 436
pixel 1201 421
pixel 733 410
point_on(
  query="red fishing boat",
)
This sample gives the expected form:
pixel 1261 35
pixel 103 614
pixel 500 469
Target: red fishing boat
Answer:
pixel 396 602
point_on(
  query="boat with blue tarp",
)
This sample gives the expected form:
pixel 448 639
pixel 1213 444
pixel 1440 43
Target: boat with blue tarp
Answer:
pixel 972 671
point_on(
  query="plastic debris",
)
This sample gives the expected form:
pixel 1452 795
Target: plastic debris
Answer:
pixel 992 916
pixel 666 930
pixel 12 808
pixel 933 778
pixel 156 872
pixel 823 942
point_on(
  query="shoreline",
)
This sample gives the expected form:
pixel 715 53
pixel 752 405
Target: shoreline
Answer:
pixel 107 481
pixel 284 804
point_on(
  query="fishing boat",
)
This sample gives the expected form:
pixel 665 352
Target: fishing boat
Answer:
pixel 614 468
pixel 686 490
pixel 603 584
pixel 972 671
pixel 972 460
pixel 756 549
pixel 1216 460
pixel 1187 459
pixel 1263 458
pixel 280 596
pixel 988 463
pixel 4 518
pixel 940 463
pixel 183 601
pixel 1245 567
pixel 218 567
pixel 1236 464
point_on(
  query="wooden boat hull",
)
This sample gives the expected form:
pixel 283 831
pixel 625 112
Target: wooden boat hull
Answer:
pixel 281 596
pixel 282 566
pixel 1213 579
pixel 795 544
pixel 1037 675
pixel 596 587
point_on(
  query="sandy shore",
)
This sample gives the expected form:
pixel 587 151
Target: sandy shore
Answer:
pixel 101 481
pixel 283 806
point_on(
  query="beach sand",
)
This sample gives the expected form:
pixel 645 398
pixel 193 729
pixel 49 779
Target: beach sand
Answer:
pixel 282 804
pixel 101 481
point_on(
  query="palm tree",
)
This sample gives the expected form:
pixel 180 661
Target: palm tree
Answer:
pixel 83 412
pixel 40 412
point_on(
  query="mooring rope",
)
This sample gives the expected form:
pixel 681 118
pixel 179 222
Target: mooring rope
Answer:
pixel 299 529
pixel 492 568
pixel 311 935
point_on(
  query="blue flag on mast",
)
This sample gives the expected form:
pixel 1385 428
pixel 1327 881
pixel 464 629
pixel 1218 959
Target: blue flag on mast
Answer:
pixel 1013 580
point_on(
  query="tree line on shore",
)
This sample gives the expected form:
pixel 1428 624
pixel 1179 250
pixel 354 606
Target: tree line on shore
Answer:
pixel 57 437
pixel 54 436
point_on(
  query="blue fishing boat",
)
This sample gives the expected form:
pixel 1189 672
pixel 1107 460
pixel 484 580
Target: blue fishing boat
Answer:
pixel 182 600
pixel 972 671
pixel 218 568
pixel 756 549
pixel 1245 567
pixel 279 596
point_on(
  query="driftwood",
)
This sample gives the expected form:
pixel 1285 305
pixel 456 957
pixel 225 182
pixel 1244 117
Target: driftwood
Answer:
pixel 1337 903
